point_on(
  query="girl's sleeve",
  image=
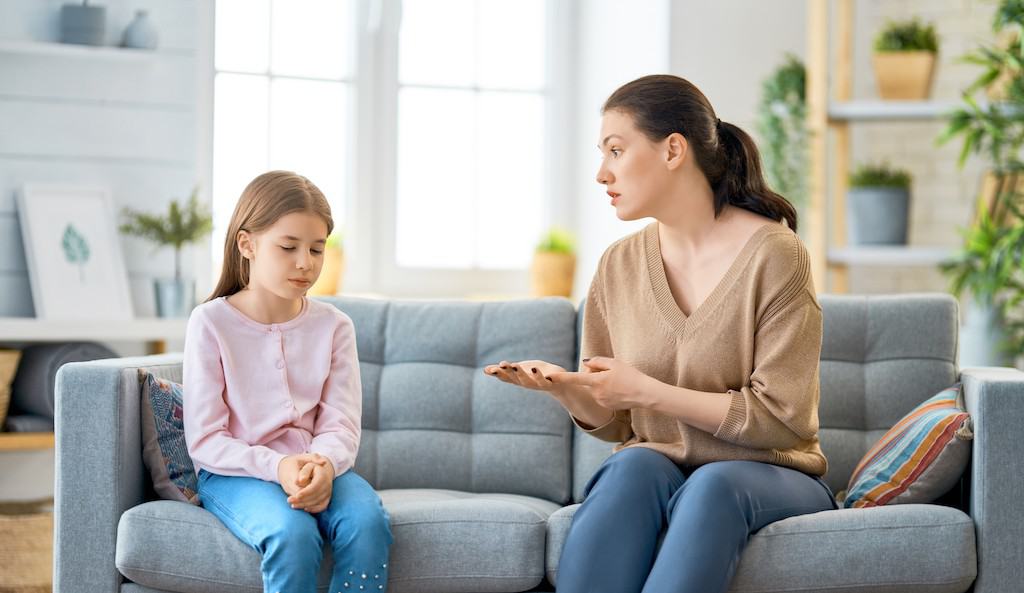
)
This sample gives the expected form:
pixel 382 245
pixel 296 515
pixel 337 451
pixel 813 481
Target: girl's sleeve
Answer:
pixel 337 429
pixel 205 413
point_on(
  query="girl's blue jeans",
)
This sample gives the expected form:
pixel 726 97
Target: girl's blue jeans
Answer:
pixel 704 516
pixel 291 541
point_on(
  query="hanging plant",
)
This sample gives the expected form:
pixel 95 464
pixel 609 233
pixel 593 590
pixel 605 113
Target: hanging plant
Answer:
pixel 781 123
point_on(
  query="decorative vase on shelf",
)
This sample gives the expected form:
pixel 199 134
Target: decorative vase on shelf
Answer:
pixel 140 33
pixel 82 24
pixel 174 297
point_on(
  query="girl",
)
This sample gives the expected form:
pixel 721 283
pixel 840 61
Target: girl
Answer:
pixel 701 339
pixel 272 415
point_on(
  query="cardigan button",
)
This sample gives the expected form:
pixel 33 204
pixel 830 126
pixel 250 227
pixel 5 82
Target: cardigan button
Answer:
pixel 280 364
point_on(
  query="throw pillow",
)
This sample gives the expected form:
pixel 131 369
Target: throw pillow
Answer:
pixel 163 440
pixel 918 459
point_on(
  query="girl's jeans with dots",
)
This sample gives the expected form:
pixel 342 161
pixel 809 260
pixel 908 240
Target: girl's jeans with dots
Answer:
pixel 291 541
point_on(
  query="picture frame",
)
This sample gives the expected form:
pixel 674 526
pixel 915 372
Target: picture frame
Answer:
pixel 73 252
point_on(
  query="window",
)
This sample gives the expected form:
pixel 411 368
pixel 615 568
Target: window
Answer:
pixel 425 122
pixel 284 73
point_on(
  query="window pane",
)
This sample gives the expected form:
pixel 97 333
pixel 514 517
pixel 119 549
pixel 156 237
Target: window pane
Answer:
pixel 511 185
pixel 241 42
pixel 308 135
pixel 435 219
pixel 436 42
pixel 512 41
pixel 312 38
pixel 239 141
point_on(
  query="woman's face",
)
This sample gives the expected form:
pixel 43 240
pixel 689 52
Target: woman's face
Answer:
pixel 285 259
pixel 635 171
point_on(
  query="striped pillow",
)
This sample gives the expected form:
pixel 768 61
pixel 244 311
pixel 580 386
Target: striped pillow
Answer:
pixel 919 459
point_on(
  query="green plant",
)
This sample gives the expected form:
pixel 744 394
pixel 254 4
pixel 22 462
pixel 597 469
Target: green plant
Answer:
pixel 781 123
pixel 988 265
pixel 180 226
pixel 909 35
pixel 557 240
pixel 880 175
pixel 334 241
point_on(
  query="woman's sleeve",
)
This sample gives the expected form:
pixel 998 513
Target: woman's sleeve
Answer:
pixel 205 413
pixel 596 341
pixel 337 431
pixel 778 408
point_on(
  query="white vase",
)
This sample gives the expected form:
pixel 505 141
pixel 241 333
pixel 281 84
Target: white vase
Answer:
pixel 140 33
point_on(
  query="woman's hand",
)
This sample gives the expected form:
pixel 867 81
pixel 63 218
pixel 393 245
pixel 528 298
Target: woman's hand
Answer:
pixel 613 384
pixel 531 374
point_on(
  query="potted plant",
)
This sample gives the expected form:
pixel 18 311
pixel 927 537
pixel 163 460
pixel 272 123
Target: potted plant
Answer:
pixel 877 204
pixel 988 266
pixel 904 60
pixel 782 124
pixel 329 282
pixel 175 297
pixel 554 264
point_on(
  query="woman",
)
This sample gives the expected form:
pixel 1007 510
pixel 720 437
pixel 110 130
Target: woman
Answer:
pixel 700 348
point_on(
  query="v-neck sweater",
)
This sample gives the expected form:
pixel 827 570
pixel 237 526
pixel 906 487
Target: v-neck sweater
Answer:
pixel 756 340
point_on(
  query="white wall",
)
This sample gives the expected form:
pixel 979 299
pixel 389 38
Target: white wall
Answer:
pixel 618 42
pixel 134 126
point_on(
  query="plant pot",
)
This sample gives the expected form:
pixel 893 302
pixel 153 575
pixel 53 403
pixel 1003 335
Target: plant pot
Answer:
pixel 329 282
pixel 904 75
pixel 82 24
pixel 877 215
pixel 174 298
pixel 981 335
pixel 552 274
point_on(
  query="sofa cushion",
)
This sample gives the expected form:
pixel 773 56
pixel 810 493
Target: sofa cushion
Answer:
pixel 445 542
pixel 163 439
pixel 894 549
pixel 917 460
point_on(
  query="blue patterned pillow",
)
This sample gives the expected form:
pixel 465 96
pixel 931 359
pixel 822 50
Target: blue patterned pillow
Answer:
pixel 163 440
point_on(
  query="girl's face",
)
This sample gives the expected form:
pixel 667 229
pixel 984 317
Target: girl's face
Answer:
pixel 285 259
pixel 635 171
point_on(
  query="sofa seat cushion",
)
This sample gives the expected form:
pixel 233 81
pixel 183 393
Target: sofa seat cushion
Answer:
pixel 445 541
pixel 896 549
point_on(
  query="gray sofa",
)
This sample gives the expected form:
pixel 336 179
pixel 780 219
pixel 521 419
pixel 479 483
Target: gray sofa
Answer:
pixel 481 478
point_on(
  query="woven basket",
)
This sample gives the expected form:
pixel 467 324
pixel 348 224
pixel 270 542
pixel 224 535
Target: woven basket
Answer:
pixel 26 547
pixel 8 366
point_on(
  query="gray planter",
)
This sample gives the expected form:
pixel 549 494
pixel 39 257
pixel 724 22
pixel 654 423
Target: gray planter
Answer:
pixel 877 215
pixel 83 24
pixel 981 333
pixel 174 298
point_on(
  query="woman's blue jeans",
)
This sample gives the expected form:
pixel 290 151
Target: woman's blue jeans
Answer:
pixel 705 515
pixel 291 541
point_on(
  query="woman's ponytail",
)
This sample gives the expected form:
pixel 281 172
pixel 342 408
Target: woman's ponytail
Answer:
pixel 742 182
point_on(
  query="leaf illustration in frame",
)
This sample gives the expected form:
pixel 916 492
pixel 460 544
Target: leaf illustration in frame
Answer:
pixel 76 249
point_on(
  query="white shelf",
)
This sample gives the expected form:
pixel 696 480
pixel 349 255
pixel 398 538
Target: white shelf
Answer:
pixel 71 50
pixel 28 329
pixel 890 256
pixel 890 110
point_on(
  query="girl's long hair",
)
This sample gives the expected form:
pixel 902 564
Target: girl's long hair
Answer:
pixel 662 104
pixel 265 200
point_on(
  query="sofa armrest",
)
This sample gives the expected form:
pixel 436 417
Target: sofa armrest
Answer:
pixel 995 400
pixel 99 470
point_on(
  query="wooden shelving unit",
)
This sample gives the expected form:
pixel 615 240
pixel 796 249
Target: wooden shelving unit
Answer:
pixel 829 119
pixel 155 332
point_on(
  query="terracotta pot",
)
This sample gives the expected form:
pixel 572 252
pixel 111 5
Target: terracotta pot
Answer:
pixel 329 282
pixel 904 75
pixel 552 274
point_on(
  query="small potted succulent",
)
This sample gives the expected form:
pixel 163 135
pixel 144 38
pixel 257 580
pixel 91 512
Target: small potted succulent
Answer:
pixel 877 205
pixel 554 264
pixel 175 297
pixel 904 60
pixel 329 282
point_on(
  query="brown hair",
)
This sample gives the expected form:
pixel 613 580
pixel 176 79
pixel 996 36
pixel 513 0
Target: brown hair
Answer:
pixel 265 200
pixel 662 104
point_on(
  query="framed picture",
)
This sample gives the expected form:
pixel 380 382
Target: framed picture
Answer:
pixel 73 253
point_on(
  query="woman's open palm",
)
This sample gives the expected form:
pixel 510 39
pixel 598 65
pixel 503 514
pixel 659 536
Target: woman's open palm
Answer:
pixel 531 374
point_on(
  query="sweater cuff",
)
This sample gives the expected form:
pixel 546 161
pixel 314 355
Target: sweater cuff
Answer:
pixel 270 470
pixel 729 429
